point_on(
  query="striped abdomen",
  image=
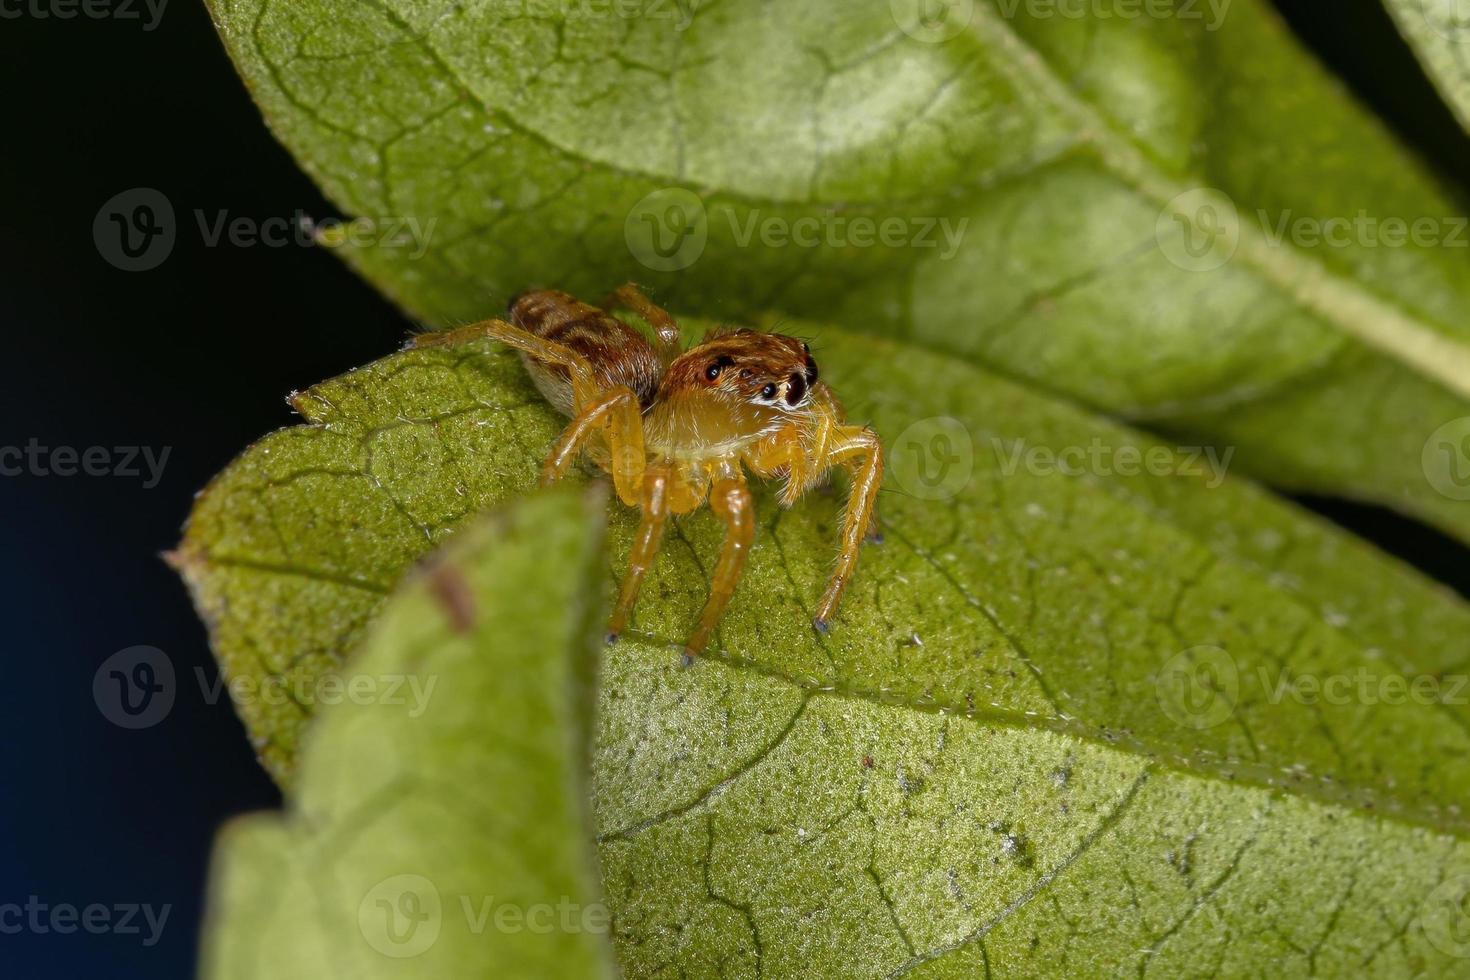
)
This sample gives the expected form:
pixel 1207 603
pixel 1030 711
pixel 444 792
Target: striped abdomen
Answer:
pixel 619 355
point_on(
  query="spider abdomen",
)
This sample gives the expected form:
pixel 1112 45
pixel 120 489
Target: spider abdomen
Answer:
pixel 619 355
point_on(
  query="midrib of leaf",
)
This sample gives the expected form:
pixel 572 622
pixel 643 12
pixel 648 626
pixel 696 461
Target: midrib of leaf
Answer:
pixel 1339 301
pixel 1332 792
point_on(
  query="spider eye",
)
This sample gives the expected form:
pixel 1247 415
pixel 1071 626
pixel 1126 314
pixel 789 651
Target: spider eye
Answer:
pixel 769 391
pixel 811 371
pixel 719 364
pixel 795 390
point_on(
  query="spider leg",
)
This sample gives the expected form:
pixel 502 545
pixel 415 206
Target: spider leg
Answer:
pixel 859 446
pixel 584 382
pixel 629 296
pixel 617 414
pixel 796 452
pixel 655 503
pixel 854 467
pixel 784 452
pixel 730 500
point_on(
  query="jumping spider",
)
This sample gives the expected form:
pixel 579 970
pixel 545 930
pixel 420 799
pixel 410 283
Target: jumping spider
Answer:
pixel 675 426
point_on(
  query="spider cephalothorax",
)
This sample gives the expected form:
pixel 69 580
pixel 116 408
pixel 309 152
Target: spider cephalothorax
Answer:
pixel 677 428
pixel 759 368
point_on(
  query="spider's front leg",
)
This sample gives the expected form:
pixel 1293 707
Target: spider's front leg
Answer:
pixel 858 449
pixel 655 505
pixel 874 533
pixel 809 457
pixel 730 499
pixel 618 416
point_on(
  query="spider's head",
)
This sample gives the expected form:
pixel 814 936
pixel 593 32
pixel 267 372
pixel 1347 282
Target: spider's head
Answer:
pixel 767 370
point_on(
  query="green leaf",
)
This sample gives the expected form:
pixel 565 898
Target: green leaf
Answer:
pixel 1057 727
pixel 1046 173
pixel 439 825
pixel 1439 32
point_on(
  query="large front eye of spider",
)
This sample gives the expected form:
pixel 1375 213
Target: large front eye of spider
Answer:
pixel 795 389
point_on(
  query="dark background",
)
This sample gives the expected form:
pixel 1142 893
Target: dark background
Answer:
pixel 197 355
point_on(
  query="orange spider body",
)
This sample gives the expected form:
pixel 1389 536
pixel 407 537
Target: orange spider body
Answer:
pixel 677 428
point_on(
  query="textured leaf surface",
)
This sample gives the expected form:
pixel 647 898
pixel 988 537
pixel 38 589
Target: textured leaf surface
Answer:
pixel 991 758
pixel 1054 148
pixel 1439 31
pixel 440 821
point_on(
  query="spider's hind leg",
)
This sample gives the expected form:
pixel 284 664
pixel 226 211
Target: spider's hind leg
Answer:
pixel 615 412
pixel 631 297
pixel 579 370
